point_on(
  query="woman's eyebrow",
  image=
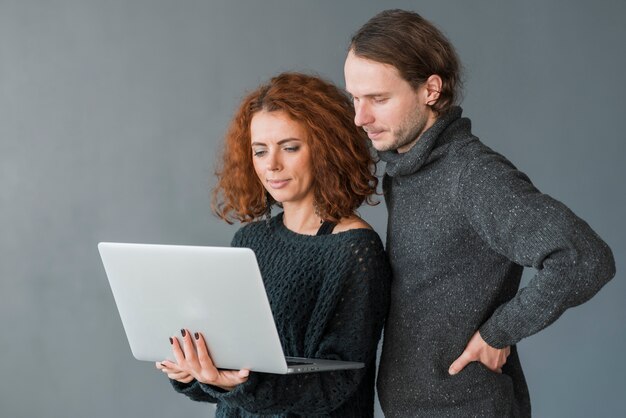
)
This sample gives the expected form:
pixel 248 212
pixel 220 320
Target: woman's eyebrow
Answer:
pixel 282 141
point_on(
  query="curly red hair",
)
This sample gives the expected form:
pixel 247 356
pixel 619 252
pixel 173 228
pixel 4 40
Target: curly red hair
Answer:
pixel 344 169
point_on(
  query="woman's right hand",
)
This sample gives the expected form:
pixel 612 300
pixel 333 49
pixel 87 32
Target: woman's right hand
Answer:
pixel 174 372
pixel 194 362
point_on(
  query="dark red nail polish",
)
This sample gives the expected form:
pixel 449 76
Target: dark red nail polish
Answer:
pixel 171 340
pixel 197 336
pixel 183 332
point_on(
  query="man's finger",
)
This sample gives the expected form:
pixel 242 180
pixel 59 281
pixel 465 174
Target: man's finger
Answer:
pixel 459 364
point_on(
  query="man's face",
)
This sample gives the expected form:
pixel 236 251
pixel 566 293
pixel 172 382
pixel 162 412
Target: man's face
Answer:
pixel 387 107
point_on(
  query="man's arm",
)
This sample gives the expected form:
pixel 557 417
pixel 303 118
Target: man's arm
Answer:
pixel 534 230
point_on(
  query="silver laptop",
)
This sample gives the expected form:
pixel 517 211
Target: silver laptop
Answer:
pixel 218 291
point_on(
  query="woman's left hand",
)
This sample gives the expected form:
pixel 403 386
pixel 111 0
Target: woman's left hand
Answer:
pixel 194 362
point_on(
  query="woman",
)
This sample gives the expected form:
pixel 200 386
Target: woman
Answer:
pixel 293 143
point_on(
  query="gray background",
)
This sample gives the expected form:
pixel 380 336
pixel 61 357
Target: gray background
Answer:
pixel 111 115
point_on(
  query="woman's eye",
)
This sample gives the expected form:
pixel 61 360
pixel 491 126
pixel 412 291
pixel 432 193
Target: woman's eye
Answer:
pixel 292 149
pixel 259 153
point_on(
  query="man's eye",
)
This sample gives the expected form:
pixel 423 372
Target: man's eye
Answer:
pixel 380 100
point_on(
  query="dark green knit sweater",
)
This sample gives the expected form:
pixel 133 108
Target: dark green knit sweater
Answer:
pixel 462 223
pixel 329 296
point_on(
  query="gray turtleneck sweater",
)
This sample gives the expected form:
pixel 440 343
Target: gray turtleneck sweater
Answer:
pixel 463 222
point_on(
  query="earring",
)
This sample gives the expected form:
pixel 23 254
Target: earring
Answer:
pixel 318 213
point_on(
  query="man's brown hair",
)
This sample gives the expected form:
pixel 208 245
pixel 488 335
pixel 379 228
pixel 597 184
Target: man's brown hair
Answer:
pixel 415 47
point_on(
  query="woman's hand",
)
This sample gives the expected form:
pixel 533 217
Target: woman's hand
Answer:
pixel 478 350
pixel 174 372
pixel 194 362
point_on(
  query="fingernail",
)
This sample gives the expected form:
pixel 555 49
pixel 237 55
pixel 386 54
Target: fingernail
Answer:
pixel 245 373
pixel 183 332
pixel 197 336
pixel 171 340
pixel 452 371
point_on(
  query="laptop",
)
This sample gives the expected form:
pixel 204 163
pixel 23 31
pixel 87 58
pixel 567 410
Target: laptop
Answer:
pixel 217 291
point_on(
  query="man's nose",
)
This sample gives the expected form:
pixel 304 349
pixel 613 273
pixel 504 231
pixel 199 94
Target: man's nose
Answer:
pixel 362 114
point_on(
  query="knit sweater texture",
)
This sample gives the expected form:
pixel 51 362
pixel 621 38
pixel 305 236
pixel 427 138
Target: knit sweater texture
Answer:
pixel 463 222
pixel 329 296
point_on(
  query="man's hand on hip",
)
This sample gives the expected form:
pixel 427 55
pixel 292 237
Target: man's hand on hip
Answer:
pixel 478 350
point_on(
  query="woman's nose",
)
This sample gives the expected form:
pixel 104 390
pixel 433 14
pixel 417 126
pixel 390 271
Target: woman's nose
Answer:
pixel 273 163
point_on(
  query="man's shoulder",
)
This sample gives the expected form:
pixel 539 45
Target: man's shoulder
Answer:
pixel 473 154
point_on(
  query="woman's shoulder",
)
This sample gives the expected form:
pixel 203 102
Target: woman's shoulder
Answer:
pixel 361 250
pixel 357 234
pixel 251 231
pixel 348 224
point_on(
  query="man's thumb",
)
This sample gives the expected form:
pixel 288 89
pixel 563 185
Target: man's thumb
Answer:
pixel 458 365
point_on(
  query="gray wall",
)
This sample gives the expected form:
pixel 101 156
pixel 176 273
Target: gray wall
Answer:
pixel 111 114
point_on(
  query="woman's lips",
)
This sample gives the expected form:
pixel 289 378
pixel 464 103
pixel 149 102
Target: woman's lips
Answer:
pixel 278 184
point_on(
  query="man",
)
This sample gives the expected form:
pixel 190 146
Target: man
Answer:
pixel 462 223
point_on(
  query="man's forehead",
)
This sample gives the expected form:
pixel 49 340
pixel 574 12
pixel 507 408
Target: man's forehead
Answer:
pixel 365 77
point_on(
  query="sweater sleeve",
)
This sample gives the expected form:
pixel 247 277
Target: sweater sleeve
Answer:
pixel 352 331
pixel 533 230
pixel 193 391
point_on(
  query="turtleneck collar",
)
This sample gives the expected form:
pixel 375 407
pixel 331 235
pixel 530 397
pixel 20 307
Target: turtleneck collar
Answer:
pixel 412 160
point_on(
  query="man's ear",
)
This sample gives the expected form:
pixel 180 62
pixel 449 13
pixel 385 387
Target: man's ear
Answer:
pixel 433 89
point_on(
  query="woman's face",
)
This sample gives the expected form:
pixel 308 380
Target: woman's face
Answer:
pixel 282 158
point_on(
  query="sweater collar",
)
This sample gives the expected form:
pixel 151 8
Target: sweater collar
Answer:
pixel 412 160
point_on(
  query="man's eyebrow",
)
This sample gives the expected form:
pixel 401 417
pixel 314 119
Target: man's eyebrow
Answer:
pixel 370 95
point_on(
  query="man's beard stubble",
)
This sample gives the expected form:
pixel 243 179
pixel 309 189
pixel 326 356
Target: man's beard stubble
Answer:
pixel 407 134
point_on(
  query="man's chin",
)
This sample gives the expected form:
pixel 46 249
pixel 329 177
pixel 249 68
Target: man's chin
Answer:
pixel 382 146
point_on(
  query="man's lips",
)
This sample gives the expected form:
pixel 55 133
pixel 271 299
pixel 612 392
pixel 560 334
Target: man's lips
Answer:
pixel 278 184
pixel 373 133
